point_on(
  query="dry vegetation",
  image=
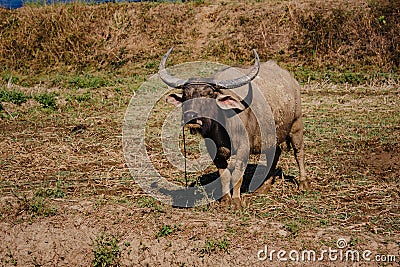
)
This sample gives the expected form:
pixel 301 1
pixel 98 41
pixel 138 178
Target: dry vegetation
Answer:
pixel 69 71
pixel 353 36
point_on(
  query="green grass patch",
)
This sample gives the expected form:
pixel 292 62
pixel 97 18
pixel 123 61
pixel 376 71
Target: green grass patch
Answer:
pixel 212 245
pixel 167 230
pixel 348 76
pixel 52 192
pixel 47 100
pixel 149 202
pixel 106 251
pixel 36 207
pixel 13 96
pixel 90 81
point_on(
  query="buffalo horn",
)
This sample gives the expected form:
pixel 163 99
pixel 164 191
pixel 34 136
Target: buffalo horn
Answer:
pixel 238 82
pixel 222 84
pixel 164 75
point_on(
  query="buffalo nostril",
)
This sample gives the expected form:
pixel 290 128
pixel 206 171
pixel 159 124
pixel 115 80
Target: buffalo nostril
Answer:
pixel 189 115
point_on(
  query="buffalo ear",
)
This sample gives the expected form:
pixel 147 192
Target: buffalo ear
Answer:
pixel 175 99
pixel 229 102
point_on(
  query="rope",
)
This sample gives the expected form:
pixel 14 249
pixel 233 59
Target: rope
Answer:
pixel 184 154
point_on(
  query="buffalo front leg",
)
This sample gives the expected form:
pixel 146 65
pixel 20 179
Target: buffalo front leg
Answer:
pixel 238 165
pixel 237 180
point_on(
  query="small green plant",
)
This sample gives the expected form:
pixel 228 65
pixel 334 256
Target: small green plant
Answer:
pixel 13 96
pixel 83 98
pixel 148 202
pixel 382 19
pixel 293 228
pixel 208 248
pixel 47 100
pixel 7 77
pixel 106 251
pixel 36 207
pixel 211 245
pixel 10 259
pixel 167 230
pixel 324 222
pixel 151 65
pixel 54 192
pixel 229 229
pixel 223 245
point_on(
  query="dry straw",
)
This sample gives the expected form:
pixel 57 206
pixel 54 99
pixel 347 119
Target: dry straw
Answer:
pixel 335 34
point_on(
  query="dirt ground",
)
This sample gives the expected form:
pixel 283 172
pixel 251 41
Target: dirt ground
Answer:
pixel 67 198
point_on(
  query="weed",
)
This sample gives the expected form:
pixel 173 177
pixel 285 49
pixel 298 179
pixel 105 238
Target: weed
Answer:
pixel 293 228
pixel 149 202
pixel 57 192
pixel 142 246
pixel 36 207
pixel 47 100
pixel 8 78
pixel 166 230
pixel 324 222
pixel 229 229
pixel 211 245
pixel 106 251
pixel 13 96
pixel 208 247
pixel 83 98
pixel 10 259
pixel 151 65
pixel 223 245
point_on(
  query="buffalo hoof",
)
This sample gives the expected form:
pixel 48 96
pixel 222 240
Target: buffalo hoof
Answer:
pixel 304 185
pixel 236 203
pixel 226 200
pixel 264 188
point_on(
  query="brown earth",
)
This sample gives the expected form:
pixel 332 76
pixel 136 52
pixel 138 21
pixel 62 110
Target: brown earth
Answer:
pixel 65 189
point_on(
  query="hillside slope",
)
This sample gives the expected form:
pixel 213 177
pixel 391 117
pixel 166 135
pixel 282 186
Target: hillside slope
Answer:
pixel 334 35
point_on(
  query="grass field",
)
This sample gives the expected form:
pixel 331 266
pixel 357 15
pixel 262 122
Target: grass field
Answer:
pixel 67 198
pixel 65 188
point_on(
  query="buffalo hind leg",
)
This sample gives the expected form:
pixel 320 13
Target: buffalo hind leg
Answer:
pixel 266 186
pixel 296 139
pixel 225 176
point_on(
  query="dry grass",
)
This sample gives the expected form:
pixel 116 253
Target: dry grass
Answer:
pixel 352 139
pixel 356 36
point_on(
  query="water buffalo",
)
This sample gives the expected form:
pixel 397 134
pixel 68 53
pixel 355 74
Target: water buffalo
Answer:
pixel 233 143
